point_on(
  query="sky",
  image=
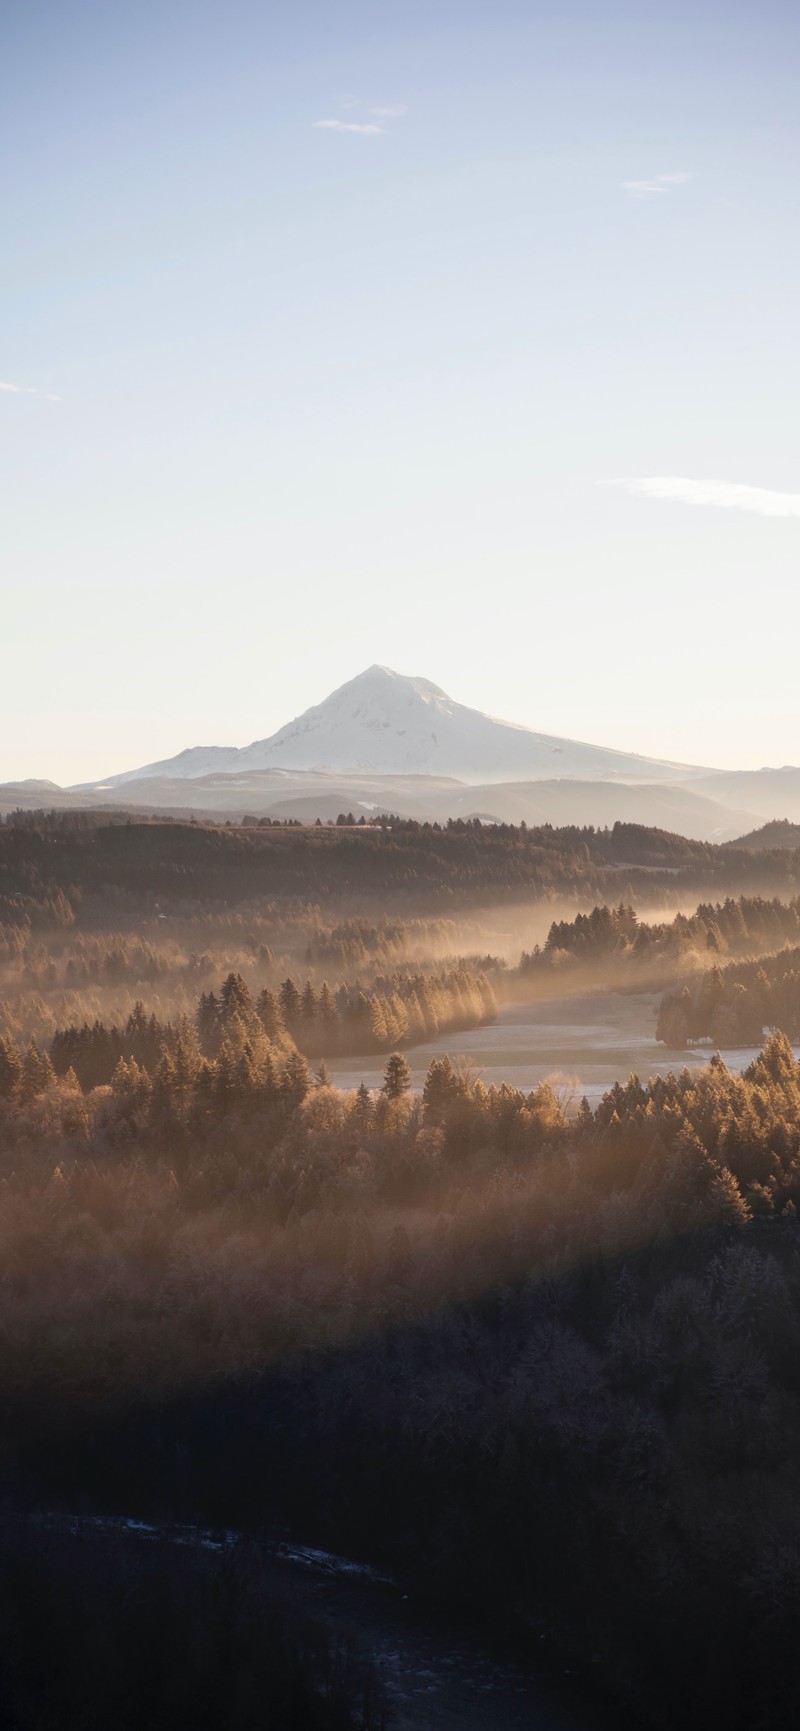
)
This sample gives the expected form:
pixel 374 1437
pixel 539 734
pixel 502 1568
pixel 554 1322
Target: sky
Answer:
pixel 456 336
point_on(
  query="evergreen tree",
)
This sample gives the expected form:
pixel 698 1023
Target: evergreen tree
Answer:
pixel 296 1078
pixel 396 1077
pixel 377 1020
pixel 225 1078
pixel 10 1070
pixel 186 1060
pixel 289 999
pixel 207 1018
pixel 165 1096
pixel 440 1089
pixel 269 1015
pixel 37 1075
pixel 363 1110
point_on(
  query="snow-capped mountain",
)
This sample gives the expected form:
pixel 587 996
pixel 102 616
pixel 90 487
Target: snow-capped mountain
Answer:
pixel 386 723
pixel 189 765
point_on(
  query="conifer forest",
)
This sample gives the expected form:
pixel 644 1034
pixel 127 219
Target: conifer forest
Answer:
pixel 531 1355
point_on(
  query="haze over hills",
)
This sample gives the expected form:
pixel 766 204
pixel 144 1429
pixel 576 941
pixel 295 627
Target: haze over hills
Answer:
pixel 384 742
pixel 385 723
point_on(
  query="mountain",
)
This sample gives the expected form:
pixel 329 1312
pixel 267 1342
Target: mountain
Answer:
pixel 385 723
pixel 384 742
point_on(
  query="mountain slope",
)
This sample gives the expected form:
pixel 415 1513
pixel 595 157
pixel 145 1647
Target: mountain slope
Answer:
pixel 196 761
pixel 770 793
pixel 385 723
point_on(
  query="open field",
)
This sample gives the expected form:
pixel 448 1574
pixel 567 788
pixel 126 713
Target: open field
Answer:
pixel 593 1040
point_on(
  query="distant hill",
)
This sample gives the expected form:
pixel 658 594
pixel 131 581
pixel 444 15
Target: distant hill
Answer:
pixel 780 833
pixel 307 795
pixel 32 785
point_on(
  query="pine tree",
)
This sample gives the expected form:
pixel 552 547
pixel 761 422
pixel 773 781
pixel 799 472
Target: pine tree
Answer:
pixel 396 1077
pixel 672 1025
pixel 289 998
pixel 165 1085
pixel 296 1078
pixel 185 1070
pixel 363 1110
pixel 247 1081
pixel 379 1031
pixel 269 1015
pixel 37 1075
pixel 235 999
pixel 10 1070
pixel 440 1089
pixel 207 1018
pixel 225 1078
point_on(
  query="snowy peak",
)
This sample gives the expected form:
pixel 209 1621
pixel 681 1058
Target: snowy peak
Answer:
pixel 380 678
pixel 388 723
pixel 380 721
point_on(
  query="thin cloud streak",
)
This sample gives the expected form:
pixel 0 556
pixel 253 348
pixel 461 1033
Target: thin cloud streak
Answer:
pixel 722 495
pixel 657 186
pixel 347 126
pixel 29 391
pixel 377 113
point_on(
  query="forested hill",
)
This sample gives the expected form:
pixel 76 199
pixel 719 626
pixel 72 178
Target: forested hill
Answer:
pixel 55 867
pixel 779 833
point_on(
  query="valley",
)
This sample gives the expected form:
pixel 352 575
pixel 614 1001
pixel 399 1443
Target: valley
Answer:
pixel 581 1044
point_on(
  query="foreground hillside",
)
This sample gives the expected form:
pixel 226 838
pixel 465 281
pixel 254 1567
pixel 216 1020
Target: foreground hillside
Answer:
pixel 544 1364
pixel 536 1358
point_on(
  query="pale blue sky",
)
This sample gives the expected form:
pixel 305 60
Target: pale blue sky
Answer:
pixel 327 397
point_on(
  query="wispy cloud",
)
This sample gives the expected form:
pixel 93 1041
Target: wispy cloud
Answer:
pixel 659 184
pixel 724 495
pixel 29 391
pixel 348 126
pixel 376 114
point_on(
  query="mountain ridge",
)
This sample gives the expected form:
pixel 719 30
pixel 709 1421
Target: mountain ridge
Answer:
pixel 382 722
